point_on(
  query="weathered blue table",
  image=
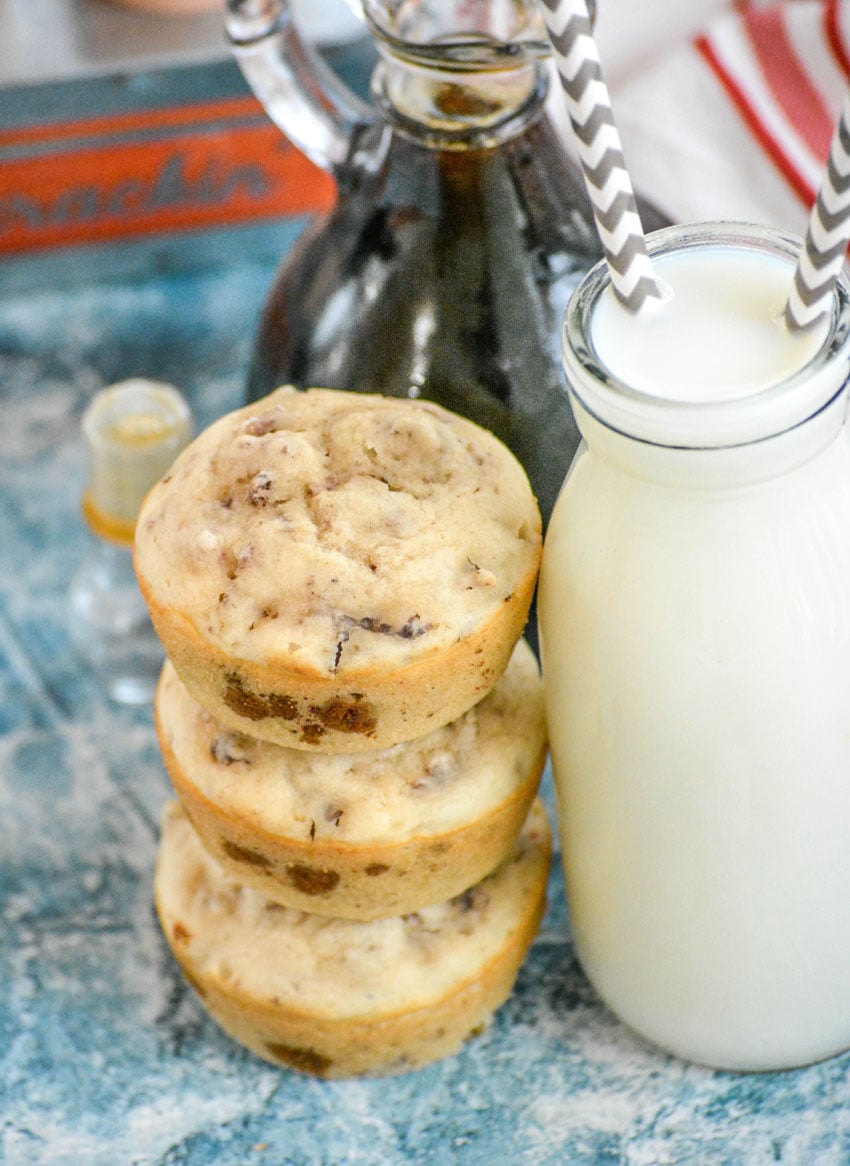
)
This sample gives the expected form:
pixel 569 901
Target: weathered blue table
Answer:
pixel 106 1057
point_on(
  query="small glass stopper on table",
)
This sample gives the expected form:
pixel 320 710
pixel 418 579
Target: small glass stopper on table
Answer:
pixel 134 430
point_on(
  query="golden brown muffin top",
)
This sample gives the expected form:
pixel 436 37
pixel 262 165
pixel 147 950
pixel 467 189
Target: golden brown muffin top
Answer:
pixel 431 785
pixel 334 530
pixel 337 967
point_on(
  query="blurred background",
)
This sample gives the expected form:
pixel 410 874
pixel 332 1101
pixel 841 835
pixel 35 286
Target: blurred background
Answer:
pixel 61 39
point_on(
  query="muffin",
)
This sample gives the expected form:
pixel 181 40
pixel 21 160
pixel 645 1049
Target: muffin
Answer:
pixel 336 998
pixel 338 571
pixel 362 835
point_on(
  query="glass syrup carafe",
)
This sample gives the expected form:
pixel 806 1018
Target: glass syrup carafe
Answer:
pixel 461 226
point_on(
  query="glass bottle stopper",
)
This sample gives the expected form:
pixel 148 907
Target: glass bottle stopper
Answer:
pixel 135 430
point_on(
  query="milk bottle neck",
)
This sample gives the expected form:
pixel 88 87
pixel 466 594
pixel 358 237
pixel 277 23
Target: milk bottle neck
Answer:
pixel 723 467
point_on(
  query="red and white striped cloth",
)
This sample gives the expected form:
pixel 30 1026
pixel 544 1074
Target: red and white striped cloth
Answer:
pixel 737 123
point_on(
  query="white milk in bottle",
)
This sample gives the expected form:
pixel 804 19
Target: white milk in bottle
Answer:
pixel 694 613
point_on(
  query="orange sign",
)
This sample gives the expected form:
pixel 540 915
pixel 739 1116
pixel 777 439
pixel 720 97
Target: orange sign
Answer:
pixel 162 170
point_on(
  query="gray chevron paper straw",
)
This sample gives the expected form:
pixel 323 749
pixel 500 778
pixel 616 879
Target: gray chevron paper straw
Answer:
pixel 827 235
pixel 600 152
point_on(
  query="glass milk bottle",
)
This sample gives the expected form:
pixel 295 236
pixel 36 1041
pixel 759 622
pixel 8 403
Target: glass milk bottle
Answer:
pixel 695 622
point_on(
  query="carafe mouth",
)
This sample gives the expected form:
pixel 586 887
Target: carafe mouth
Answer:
pixel 464 53
pixel 460 35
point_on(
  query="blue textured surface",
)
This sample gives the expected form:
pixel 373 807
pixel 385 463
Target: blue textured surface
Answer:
pixel 106 1058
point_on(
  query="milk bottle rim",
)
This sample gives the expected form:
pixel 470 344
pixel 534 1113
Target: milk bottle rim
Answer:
pixel 704 424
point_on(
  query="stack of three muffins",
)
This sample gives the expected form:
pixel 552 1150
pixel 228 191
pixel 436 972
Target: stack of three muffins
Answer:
pixel 352 724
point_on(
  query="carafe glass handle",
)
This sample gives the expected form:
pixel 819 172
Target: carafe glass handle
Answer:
pixel 302 95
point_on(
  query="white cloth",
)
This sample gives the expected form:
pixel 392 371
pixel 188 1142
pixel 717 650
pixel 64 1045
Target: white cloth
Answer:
pixel 736 122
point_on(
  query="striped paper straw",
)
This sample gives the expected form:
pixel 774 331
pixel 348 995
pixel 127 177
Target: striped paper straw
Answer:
pixel 600 153
pixel 827 235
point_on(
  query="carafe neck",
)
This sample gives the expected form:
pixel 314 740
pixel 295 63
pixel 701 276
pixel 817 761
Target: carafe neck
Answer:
pixel 456 109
